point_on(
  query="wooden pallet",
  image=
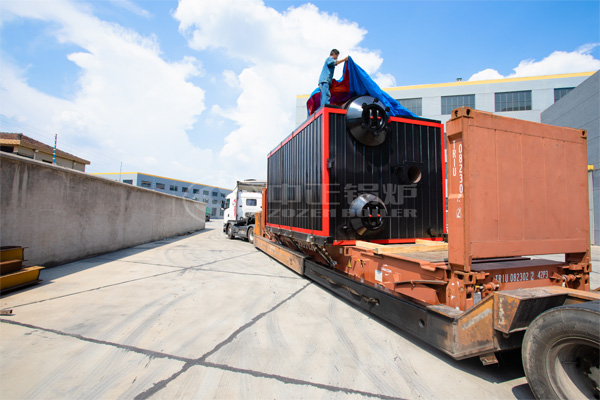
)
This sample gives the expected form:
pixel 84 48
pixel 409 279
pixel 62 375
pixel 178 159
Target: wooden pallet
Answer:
pixel 419 246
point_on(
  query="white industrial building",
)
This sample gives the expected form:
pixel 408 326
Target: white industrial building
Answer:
pixel 522 98
pixel 581 110
pixel 211 195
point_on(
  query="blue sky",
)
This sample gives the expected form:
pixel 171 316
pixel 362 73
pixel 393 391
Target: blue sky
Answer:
pixel 439 41
pixel 202 90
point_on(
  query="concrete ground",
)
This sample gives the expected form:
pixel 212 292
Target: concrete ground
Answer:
pixel 202 316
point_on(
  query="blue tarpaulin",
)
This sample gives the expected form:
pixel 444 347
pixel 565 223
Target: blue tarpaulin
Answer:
pixel 356 82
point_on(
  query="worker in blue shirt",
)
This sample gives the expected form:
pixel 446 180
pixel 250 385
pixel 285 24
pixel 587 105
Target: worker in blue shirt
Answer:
pixel 327 75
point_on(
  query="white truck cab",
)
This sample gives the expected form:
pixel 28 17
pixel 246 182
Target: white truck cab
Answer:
pixel 239 209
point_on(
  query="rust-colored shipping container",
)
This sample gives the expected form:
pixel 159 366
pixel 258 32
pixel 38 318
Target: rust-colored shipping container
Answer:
pixel 521 191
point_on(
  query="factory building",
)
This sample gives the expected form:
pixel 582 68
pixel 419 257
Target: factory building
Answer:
pixel 580 109
pixel 24 146
pixel 211 195
pixel 522 98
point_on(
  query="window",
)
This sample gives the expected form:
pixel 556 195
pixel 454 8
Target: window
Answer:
pixel 7 149
pixel 222 195
pixel 414 105
pixel 214 202
pixel 513 101
pixel 226 203
pixel 129 181
pixel 213 212
pixel 196 191
pixel 205 192
pixel 250 202
pixel 184 189
pixel 160 186
pixel 560 92
pixel 146 184
pixel 172 188
pixel 205 200
pixel 449 103
pixel 221 213
pixel 215 194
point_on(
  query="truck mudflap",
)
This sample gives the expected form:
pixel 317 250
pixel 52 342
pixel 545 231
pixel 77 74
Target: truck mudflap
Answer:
pixel 495 324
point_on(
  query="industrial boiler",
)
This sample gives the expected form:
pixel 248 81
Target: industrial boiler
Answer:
pixel 354 172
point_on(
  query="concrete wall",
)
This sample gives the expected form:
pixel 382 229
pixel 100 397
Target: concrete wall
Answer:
pixel 63 215
pixel 580 109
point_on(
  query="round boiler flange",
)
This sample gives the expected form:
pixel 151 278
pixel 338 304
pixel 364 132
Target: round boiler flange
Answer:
pixel 367 120
pixel 367 214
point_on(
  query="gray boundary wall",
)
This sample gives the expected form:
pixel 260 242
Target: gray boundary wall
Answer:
pixel 62 215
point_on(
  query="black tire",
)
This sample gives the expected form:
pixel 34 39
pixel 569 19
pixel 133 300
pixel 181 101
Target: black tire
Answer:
pixel 561 352
pixel 251 235
pixel 229 231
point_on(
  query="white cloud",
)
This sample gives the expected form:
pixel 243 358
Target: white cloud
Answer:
pixel 488 73
pixel 132 7
pixel 384 80
pixel 285 53
pixel 130 105
pixel 559 62
pixel 231 78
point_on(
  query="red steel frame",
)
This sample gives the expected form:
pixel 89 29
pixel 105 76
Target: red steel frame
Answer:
pixel 325 193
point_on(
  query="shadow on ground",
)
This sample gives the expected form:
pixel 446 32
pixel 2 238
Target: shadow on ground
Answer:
pixel 509 368
pixel 50 274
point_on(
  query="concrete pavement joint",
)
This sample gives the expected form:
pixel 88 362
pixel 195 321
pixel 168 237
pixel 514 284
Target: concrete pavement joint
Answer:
pixel 249 324
pixel 158 386
pixel 96 288
pixel 189 362
pixel 148 353
pixel 139 262
pixel 257 374
pixel 162 384
pixel 217 261
pixel 179 269
pixel 175 266
pixel 247 274
pixel 200 267
pixel 300 382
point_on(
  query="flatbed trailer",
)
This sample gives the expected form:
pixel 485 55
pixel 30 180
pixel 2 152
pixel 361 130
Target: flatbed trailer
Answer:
pixel 516 189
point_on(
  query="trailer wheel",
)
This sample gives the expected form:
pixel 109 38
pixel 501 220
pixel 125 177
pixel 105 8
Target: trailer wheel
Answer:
pixel 230 231
pixel 251 235
pixel 561 352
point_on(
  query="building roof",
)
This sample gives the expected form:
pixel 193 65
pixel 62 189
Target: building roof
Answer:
pixel 482 82
pixel 18 139
pixel 157 176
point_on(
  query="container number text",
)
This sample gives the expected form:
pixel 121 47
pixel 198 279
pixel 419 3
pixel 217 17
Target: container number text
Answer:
pixel 521 276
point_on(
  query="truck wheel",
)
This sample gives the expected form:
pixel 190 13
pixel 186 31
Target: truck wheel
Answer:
pixel 251 235
pixel 561 352
pixel 230 231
